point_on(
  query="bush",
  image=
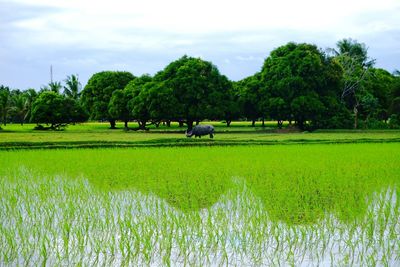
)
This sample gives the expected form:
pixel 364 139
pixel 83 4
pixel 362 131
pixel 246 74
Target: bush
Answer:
pixel 394 121
pixel 373 124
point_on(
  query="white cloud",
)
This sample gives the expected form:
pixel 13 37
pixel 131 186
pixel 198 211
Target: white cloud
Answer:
pixel 112 19
pixel 153 32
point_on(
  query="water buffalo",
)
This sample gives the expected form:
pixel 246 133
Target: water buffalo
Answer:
pixel 200 130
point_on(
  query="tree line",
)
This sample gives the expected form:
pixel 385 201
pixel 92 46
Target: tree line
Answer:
pixel 299 83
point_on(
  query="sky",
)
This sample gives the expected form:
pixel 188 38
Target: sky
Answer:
pixel 83 37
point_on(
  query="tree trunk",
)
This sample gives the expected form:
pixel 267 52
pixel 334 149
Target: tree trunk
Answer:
pixel 168 123
pixel 112 124
pixel 280 122
pixel 366 122
pixel 197 122
pixel 181 124
pixel 190 125
pixel 355 110
pixel 300 124
pixel 253 123
pixel 228 123
pixel 126 124
pixel 142 124
pixel 263 122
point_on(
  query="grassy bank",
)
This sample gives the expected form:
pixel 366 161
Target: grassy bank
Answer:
pixel 98 135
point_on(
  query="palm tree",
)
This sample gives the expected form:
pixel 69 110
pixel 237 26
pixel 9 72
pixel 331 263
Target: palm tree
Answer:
pixel 55 87
pixel 30 96
pixel 19 107
pixel 73 87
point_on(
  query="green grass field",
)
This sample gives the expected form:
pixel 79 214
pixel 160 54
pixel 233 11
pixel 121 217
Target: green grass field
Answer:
pixel 332 204
pixel 240 133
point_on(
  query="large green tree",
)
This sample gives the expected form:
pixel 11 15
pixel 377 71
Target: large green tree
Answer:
pixel 296 77
pixel 56 110
pixel 200 90
pixel 98 91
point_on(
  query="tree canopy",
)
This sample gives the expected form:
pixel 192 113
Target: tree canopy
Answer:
pixel 56 110
pixel 98 91
pixel 296 77
pixel 199 89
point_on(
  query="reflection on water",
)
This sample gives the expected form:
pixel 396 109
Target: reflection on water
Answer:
pixel 63 222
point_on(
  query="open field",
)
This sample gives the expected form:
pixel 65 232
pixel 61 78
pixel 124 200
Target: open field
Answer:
pixel 330 204
pixel 240 133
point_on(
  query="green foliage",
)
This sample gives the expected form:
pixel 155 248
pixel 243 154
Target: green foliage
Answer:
pixel 335 116
pixel 118 106
pixel 73 87
pixel 200 90
pixel 56 110
pixel 394 121
pixel 30 96
pixel 232 108
pixel 161 103
pixel 307 107
pixel 137 95
pixel 48 108
pixel 394 106
pixel 278 110
pixel 249 90
pixel 297 76
pixel 5 104
pixel 357 66
pixel 298 82
pixel 98 91
pixel 55 87
pixel 368 105
pixel 354 49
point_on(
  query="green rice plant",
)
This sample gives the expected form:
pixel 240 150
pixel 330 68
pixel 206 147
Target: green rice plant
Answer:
pixel 242 205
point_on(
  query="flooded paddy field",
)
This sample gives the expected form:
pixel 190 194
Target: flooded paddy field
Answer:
pixel 302 205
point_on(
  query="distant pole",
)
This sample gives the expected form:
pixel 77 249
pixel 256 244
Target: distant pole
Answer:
pixel 51 73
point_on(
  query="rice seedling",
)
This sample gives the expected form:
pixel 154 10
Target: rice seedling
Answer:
pixel 242 205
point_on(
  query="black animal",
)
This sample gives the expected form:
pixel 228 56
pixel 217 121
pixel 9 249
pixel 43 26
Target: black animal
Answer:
pixel 200 130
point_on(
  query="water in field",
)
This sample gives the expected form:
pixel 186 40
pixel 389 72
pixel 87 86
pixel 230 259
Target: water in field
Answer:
pixel 293 216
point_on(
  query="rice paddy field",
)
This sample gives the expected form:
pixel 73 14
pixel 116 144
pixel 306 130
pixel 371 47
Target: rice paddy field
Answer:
pixel 300 205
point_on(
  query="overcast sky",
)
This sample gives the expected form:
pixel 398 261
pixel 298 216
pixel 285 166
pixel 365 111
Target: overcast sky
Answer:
pixel 84 37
